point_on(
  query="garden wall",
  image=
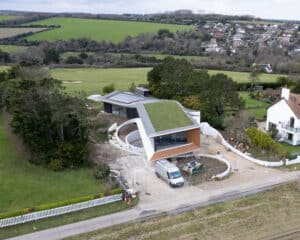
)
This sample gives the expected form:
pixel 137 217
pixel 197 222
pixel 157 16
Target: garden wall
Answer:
pixel 206 129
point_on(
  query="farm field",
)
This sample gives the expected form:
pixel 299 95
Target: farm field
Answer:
pixel 12 48
pixel 13 32
pixel 254 217
pixel 107 30
pixel 8 17
pixel 26 185
pixel 92 80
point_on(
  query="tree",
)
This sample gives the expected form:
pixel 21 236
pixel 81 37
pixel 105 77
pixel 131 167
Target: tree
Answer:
pixel 192 102
pixel 51 124
pixel 108 88
pixel 74 60
pixel 162 33
pixel 219 98
pixel 169 79
pixel 215 95
pixel 132 87
pixel 51 56
pixel 255 72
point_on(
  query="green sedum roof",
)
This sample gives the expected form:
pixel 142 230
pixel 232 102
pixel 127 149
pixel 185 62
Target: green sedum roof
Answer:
pixel 166 115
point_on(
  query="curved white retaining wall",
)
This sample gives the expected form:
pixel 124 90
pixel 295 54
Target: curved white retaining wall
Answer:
pixel 206 129
pixel 224 174
pixel 132 137
pixel 148 148
pixel 293 161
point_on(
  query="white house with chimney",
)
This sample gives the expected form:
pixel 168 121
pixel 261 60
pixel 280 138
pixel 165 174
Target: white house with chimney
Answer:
pixel 284 115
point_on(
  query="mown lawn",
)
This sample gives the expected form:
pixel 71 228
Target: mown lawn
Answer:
pixel 244 76
pixel 26 185
pixel 12 48
pixel 256 108
pixel 64 219
pixel 92 80
pixel 249 218
pixel 107 30
pixel 293 150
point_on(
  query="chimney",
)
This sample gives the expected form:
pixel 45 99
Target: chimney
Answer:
pixel 285 93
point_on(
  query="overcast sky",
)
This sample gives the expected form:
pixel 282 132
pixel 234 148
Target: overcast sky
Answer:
pixel 276 9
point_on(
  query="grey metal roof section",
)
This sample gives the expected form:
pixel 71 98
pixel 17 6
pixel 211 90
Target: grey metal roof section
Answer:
pixel 126 99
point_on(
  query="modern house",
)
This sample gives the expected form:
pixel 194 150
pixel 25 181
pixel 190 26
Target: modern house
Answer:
pixel 285 117
pixel 165 129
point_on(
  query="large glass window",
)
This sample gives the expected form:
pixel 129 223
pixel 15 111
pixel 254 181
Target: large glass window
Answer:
pixel 118 110
pixel 171 140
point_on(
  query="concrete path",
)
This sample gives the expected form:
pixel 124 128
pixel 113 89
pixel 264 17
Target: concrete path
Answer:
pixel 168 205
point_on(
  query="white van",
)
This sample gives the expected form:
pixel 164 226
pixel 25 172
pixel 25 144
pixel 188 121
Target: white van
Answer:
pixel 169 172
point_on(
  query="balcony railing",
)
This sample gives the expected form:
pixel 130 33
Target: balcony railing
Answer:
pixel 289 128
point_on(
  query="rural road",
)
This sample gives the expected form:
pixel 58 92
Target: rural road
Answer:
pixel 151 210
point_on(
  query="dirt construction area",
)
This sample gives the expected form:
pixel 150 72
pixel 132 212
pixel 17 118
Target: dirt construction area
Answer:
pixel 156 194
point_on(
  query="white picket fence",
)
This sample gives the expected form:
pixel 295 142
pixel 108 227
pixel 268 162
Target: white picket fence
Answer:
pixel 58 211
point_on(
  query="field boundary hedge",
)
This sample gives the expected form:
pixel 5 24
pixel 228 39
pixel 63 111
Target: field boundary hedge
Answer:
pixel 52 205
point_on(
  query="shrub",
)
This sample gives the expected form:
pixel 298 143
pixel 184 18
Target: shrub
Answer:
pixel 56 165
pixel 74 60
pixel 264 141
pixel 72 154
pixel 102 171
pixel 116 191
pixel 108 88
pixel 83 55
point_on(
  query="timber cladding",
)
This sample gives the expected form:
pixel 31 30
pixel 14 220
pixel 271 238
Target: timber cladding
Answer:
pixel 194 136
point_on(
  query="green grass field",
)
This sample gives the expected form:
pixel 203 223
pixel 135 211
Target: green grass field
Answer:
pixel 107 30
pixel 244 76
pixel 64 219
pixel 255 108
pixel 92 80
pixel 12 48
pixel 254 217
pixel 7 17
pixel 166 115
pixel 26 185
pixel 293 150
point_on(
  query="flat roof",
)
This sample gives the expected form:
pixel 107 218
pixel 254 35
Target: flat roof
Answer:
pixel 165 115
pixel 125 97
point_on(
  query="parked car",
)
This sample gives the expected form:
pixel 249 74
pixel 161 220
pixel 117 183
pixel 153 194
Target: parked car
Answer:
pixel 169 172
